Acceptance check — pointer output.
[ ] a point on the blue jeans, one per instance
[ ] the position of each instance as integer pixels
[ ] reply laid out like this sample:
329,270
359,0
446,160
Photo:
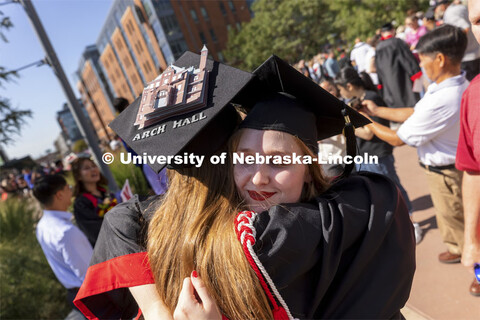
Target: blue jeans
386,166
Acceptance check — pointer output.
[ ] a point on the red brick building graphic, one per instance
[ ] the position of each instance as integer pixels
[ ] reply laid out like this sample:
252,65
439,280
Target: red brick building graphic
175,91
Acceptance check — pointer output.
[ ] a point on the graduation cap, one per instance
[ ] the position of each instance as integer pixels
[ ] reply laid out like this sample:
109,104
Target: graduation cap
186,109
316,115
283,99
387,27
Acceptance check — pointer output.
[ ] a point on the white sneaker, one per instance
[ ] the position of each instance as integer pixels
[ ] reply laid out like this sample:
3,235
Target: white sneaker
418,233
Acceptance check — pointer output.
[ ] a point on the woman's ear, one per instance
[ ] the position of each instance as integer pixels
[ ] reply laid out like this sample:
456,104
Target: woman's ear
349,87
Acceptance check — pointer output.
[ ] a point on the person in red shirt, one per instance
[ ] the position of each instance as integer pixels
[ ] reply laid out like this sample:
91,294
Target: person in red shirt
468,160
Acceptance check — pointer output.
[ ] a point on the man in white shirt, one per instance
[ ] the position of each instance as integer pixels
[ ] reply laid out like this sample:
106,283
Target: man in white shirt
358,56
457,15
66,248
433,127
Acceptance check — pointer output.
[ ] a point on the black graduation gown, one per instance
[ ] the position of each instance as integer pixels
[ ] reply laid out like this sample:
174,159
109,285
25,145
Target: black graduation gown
397,68
119,261
86,212
348,254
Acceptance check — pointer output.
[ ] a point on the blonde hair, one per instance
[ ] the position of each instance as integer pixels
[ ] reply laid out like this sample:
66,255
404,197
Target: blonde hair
193,229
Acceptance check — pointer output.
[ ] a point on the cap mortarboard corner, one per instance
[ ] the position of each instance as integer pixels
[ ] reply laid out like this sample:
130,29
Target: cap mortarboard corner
200,129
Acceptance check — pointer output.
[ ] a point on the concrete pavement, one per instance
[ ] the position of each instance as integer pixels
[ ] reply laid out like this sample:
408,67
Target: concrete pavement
440,291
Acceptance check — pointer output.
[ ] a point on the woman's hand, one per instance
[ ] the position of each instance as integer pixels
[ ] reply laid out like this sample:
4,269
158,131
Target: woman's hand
194,301
150,303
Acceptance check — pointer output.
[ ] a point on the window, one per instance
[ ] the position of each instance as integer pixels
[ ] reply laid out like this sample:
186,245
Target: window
202,38
129,27
239,26
170,25
222,8
147,8
204,13
221,57
194,15
214,37
229,27
119,45
232,7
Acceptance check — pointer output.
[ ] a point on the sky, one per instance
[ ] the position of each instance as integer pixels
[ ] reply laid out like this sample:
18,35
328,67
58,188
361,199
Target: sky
71,25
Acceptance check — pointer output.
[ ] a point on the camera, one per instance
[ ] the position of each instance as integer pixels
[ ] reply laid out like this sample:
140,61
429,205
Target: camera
355,103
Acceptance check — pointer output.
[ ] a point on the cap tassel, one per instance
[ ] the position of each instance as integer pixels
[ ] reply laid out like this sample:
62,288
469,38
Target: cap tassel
351,142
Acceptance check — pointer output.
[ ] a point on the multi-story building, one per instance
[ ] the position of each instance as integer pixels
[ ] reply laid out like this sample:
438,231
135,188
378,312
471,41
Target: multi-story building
95,93
141,38
70,130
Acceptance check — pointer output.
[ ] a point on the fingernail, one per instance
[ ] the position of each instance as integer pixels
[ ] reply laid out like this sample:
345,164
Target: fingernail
194,274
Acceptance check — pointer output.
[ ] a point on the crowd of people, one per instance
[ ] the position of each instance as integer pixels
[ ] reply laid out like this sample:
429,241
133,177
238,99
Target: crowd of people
20,182
307,242
421,69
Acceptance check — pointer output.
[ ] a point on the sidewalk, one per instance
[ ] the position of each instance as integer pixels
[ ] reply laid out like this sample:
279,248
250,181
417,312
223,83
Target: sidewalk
440,291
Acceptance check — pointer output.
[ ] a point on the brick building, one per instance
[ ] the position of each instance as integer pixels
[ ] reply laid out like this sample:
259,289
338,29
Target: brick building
141,38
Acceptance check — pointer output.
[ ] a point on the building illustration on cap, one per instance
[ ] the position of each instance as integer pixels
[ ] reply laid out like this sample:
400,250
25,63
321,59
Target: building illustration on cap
176,91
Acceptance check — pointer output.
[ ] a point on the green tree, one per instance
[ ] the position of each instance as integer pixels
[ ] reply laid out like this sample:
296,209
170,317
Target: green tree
296,29
361,18
79,146
11,119
289,29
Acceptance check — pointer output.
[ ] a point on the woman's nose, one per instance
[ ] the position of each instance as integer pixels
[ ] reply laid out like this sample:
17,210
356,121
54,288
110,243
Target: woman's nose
261,175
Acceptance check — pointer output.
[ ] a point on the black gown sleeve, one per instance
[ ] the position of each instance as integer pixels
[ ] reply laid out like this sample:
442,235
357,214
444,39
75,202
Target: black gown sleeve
87,218
351,254
119,261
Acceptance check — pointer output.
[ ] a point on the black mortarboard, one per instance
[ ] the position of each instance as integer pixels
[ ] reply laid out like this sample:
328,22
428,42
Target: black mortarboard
201,131
306,97
387,27
303,108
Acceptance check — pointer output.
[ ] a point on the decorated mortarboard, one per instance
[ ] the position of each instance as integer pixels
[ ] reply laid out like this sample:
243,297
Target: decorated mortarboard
186,109
283,99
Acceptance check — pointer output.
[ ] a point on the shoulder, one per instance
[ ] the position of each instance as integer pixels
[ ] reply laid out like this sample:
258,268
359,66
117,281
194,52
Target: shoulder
471,101
375,97
128,211
84,199
455,10
473,90
124,229
55,230
351,199
450,97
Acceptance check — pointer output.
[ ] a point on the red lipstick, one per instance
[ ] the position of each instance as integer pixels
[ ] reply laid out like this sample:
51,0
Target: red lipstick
260,196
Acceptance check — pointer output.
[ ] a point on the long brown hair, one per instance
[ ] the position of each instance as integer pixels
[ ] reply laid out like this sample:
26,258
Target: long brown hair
79,188
193,229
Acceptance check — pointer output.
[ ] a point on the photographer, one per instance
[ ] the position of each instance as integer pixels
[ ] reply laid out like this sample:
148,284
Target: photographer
356,88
